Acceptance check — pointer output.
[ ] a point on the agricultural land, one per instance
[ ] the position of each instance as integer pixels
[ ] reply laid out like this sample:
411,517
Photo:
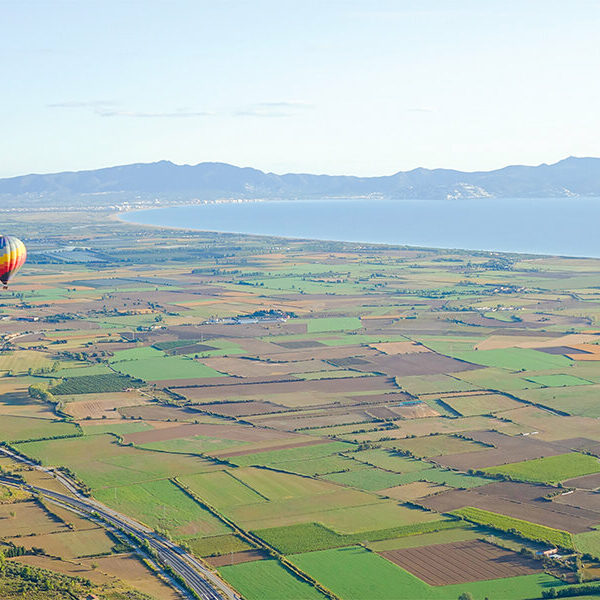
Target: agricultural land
307,419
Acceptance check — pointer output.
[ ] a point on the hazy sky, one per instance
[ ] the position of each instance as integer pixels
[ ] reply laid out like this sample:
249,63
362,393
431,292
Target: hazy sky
359,87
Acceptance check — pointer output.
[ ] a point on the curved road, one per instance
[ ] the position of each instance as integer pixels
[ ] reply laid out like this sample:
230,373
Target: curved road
197,577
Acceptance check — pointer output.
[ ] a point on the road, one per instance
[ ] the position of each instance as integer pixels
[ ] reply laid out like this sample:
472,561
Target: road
197,577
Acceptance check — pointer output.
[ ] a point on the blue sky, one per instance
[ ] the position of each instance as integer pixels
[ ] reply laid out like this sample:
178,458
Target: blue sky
344,87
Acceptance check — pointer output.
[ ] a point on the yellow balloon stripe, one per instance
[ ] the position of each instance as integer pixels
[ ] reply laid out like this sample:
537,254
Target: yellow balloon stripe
13,254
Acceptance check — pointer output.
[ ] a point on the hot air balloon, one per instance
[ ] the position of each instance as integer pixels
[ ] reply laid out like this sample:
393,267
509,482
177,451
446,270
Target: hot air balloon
12,256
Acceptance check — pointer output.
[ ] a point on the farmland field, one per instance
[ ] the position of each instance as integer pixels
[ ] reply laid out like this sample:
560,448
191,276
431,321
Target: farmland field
99,461
551,469
161,504
86,384
268,580
377,415
163,368
343,571
524,528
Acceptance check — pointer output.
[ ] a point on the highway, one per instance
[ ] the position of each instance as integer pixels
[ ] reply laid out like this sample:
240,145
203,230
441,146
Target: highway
197,577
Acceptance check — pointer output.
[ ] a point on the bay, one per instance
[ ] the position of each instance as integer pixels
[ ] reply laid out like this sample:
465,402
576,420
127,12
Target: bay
555,226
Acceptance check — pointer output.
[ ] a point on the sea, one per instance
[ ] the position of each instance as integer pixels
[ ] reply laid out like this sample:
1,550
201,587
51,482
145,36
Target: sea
551,226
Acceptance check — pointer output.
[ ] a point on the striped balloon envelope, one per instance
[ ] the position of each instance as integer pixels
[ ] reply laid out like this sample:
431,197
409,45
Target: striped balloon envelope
12,256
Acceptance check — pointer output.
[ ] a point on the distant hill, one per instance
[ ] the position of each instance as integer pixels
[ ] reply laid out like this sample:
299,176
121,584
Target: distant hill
568,177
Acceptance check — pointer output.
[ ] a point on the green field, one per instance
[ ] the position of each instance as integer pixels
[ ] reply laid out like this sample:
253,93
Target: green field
498,379
217,545
356,574
165,367
275,457
435,445
366,479
308,537
30,428
577,400
319,466
162,505
333,324
116,428
221,489
486,404
445,536
558,380
588,542
100,462
268,580
551,469
515,359
87,384
526,529
280,486
142,352
390,460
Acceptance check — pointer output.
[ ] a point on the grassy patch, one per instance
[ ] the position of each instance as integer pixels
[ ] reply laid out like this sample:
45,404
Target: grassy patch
165,367
308,537
551,469
588,543
526,529
355,574
515,359
100,462
581,400
268,580
275,457
366,479
558,380
280,486
161,504
220,489
333,324
217,545
28,428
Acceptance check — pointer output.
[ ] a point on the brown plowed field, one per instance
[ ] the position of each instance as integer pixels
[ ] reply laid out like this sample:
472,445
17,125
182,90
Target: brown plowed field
580,498
239,433
98,406
153,412
334,386
586,482
325,353
513,490
422,363
561,350
392,348
324,419
381,412
508,449
236,558
300,344
461,562
567,518
492,458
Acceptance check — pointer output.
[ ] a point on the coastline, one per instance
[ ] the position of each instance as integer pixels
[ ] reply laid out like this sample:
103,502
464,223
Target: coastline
117,216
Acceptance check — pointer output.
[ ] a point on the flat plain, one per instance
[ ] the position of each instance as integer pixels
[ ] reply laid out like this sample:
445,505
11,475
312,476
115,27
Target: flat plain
309,417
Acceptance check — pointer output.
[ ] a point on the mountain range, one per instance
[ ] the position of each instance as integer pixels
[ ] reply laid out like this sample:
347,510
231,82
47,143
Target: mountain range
209,180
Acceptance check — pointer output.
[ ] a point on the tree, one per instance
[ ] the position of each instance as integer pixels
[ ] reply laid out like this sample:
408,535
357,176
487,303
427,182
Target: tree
466,596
